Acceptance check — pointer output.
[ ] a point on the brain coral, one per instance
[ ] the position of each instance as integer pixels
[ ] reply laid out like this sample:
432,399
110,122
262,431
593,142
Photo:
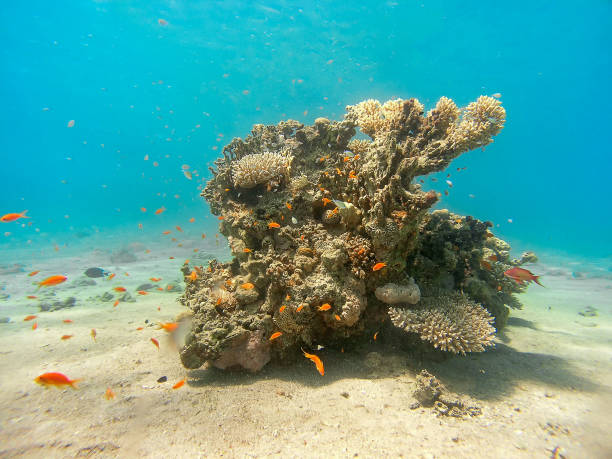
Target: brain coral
451,323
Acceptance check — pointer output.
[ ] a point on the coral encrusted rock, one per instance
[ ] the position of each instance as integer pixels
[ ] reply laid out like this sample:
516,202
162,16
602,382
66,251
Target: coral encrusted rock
324,228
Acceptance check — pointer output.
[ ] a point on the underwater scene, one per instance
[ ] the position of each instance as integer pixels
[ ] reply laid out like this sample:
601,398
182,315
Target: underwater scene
305,229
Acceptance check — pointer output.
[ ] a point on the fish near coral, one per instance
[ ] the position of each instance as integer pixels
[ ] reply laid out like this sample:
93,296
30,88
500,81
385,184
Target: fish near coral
55,379
155,342
52,280
13,216
109,394
273,225
317,361
247,286
325,307
521,275
28,318
168,326
179,384
379,266
275,335
66,337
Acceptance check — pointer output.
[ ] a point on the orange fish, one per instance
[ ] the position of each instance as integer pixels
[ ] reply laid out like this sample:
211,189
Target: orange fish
352,175
165,233
116,303
52,280
169,287
67,321
155,279
378,266
111,276
32,297
326,201
178,228
191,220
246,250
247,286
275,335
521,275
273,225
192,276
325,307
93,334
375,336
109,394
154,341
143,209
221,217
160,210
282,308
335,211
140,328
27,318
162,22
337,317
492,257
317,361
33,273
300,307
188,175
142,292
34,325
168,326
65,337
181,383
55,379
12,217
288,205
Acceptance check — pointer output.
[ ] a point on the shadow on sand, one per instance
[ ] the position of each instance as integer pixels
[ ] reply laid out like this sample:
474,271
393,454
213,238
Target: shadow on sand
492,375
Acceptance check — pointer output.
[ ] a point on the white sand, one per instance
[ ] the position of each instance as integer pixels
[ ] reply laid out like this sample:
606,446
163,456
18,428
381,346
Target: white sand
546,384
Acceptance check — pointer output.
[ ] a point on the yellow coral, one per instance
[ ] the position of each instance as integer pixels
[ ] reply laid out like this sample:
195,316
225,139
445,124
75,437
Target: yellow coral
452,323
446,110
481,120
257,168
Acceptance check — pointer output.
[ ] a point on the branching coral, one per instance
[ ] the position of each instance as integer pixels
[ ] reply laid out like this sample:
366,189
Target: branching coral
451,323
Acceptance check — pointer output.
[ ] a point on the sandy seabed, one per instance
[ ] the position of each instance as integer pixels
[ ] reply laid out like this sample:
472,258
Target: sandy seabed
545,387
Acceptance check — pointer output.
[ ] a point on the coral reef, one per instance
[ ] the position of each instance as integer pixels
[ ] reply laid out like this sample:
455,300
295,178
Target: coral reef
326,231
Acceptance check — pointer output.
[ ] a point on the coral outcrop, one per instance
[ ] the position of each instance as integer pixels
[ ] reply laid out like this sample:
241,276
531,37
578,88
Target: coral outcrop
326,231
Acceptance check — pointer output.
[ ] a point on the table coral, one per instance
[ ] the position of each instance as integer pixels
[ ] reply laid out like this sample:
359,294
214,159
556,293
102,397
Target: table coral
317,209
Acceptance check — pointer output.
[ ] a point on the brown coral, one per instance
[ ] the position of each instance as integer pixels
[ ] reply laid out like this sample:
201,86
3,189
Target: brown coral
452,323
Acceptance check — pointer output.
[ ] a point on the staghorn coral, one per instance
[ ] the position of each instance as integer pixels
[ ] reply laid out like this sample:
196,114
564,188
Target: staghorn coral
319,214
258,168
451,323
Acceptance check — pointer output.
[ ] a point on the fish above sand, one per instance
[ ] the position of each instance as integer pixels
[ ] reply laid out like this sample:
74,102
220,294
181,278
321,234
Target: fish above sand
96,272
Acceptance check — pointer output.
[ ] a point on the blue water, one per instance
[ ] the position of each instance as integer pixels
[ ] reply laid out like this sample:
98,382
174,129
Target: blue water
135,88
